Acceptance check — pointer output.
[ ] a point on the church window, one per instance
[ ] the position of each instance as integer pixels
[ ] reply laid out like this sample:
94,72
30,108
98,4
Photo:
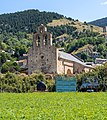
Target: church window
69,72
42,57
41,29
45,39
38,40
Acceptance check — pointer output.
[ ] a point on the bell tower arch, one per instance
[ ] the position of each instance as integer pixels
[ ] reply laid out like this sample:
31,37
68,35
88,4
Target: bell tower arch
42,37
42,55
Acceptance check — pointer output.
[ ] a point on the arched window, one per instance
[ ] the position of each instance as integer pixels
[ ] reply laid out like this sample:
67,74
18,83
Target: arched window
39,41
46,39
42,57
69,72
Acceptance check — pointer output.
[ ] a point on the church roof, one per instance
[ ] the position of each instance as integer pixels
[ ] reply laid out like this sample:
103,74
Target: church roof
70,57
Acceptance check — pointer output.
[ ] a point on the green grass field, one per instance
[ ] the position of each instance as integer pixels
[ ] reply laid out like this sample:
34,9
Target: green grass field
53,106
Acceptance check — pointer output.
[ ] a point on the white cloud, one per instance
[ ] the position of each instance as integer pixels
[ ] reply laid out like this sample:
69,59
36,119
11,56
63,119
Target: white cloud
104,3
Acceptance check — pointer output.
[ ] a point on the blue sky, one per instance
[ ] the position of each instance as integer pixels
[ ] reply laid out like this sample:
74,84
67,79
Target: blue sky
84,10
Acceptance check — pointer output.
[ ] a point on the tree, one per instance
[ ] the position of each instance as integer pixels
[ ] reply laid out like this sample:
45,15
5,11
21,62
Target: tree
10,66
84,56
4,68
99,72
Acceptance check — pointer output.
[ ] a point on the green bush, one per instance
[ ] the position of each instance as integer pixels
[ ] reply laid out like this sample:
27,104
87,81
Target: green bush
99,73
11,82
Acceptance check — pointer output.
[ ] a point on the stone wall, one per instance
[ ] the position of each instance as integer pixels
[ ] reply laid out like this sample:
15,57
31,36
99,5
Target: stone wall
43,60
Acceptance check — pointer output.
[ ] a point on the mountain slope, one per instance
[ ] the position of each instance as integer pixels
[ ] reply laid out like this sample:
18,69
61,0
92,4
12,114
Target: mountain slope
75,23
29,20
26,21
100,22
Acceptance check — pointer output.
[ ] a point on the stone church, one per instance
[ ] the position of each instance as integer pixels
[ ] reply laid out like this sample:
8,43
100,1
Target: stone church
44,57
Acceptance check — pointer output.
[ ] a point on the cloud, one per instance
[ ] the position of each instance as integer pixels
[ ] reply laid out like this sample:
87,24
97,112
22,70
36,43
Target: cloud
104,3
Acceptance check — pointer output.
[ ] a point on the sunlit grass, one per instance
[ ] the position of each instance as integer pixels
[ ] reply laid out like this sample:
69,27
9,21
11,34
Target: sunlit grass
53,106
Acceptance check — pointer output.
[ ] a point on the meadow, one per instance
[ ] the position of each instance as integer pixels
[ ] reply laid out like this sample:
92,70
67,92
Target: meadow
53,106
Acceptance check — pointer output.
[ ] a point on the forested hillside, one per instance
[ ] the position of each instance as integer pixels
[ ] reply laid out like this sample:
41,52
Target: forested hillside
100,22
26,21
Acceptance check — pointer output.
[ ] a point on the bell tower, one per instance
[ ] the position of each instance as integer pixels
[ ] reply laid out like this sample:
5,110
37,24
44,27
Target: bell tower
42,38
42,55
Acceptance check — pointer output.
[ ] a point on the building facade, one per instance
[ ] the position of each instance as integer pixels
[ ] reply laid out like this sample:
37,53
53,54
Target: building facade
44,57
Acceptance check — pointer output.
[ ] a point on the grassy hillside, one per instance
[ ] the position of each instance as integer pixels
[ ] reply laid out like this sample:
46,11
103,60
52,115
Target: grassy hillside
79,25
82,49
53,106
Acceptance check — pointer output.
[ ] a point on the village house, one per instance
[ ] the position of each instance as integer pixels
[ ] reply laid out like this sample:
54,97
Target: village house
44,57
100,61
